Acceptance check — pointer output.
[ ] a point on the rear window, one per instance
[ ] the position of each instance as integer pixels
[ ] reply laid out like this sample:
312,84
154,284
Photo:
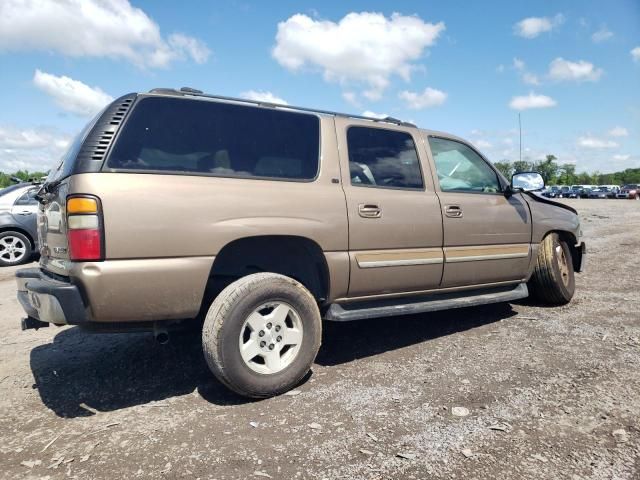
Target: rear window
220,139
383,158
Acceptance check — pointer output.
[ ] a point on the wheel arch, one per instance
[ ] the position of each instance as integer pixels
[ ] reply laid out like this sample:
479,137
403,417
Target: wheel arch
295,256
23,231
575,247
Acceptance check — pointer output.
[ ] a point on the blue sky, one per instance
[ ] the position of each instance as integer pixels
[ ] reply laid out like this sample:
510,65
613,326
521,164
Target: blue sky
572,69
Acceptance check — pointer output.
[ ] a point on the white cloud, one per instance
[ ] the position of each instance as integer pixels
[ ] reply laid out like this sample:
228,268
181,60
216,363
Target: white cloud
351,97
533,26
621,157
580,71
430,97
191,47
500,68
594,142
32,149
93,28
532,100
635,54
366,48
483,144
618,132
370,114
518,64
527,77
260,96
530,79
72,95
601,35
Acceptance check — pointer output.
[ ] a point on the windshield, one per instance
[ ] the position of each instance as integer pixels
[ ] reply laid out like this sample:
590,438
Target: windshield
67,161
631,186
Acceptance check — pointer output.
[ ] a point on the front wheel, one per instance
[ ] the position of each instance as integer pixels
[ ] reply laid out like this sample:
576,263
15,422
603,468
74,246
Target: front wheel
261,334
553,280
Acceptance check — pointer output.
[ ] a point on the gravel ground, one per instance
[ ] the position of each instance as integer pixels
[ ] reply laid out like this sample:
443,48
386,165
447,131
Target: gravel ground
545,392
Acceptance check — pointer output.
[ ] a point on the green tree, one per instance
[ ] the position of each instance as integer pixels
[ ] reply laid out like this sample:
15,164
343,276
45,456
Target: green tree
505,168
548,168
567,174
522,166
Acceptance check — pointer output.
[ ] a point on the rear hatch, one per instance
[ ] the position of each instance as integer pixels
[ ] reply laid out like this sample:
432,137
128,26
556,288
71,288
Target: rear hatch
85,155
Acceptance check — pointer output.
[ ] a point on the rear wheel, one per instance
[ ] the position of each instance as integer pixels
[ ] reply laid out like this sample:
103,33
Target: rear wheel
553,280
15,249
261,334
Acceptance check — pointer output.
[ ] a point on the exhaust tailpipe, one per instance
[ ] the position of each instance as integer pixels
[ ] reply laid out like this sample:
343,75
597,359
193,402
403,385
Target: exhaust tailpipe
161,335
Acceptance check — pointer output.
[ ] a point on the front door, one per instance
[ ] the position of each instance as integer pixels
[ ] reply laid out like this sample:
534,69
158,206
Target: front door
487,235
395,224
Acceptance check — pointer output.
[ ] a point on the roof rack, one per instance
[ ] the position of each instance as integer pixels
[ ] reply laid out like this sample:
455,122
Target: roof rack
188,91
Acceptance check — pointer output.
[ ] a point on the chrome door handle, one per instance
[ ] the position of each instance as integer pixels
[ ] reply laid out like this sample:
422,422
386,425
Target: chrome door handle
368,210
453,211
26,212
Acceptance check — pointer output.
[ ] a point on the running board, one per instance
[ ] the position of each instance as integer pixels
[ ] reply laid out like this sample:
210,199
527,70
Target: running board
426,303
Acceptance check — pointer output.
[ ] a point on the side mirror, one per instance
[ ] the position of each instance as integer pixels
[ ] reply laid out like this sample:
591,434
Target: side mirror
527,181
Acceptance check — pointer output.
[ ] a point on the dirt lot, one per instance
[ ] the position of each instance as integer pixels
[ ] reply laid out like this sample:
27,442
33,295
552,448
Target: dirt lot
550,392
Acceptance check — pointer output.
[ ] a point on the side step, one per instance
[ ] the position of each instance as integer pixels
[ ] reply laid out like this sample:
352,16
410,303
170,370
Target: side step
426,303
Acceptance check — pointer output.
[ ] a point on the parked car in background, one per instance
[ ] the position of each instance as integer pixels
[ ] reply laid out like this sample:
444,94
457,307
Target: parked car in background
564,192
601,192
630,191
612,189
576,191
552,192
18,224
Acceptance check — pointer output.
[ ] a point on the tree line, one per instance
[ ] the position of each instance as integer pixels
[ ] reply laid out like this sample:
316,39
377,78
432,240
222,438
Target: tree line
22,175
565,173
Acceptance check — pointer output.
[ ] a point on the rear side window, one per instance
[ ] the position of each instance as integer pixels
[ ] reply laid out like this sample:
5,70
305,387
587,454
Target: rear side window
211,138
383,158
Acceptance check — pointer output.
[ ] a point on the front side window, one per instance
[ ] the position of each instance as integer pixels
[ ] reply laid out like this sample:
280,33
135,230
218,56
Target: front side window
460,169
383,158
221,139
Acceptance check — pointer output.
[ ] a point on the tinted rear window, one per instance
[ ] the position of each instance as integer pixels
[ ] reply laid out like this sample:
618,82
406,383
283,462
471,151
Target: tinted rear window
383,158
211,138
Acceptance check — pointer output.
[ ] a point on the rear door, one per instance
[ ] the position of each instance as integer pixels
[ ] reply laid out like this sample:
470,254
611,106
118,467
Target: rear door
25,210
487,235
395,224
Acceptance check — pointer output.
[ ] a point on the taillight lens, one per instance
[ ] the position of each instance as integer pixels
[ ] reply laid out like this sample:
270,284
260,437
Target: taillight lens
84,222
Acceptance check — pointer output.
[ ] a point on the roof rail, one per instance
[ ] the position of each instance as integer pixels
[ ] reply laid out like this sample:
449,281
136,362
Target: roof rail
188,91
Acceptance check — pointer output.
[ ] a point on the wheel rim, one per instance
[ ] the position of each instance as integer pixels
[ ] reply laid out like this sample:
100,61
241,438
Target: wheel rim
271,337
562,265
12,249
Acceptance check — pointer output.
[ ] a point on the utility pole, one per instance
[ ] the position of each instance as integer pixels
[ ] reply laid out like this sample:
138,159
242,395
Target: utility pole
520,128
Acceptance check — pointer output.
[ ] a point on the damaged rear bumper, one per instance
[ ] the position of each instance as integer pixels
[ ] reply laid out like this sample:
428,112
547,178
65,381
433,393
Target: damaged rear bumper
48,300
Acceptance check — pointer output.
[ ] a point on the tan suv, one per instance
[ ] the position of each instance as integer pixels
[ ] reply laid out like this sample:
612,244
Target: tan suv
254,221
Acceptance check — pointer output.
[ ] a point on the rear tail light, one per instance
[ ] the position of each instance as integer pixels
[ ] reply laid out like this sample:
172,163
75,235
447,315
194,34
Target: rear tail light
85,235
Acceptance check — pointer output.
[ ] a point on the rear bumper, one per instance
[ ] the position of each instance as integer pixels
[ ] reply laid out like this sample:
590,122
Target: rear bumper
49,300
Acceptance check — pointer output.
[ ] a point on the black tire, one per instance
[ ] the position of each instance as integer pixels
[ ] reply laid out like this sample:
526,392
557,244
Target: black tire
553,279
18,238
224,323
